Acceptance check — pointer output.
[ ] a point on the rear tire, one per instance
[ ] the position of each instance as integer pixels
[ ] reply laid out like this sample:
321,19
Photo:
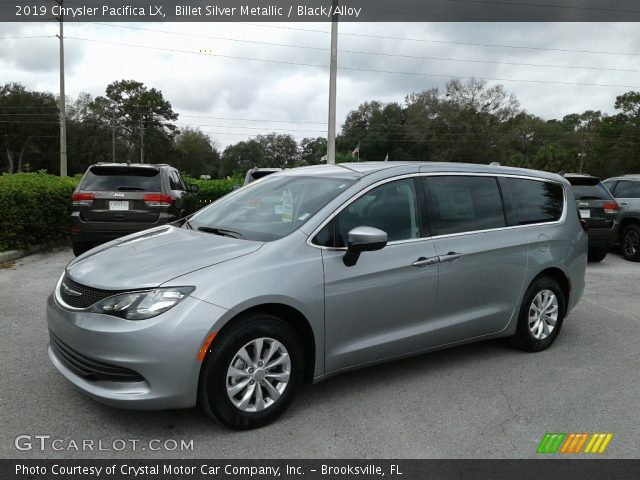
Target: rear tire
630,242
597,254
541,315
80,247
236,385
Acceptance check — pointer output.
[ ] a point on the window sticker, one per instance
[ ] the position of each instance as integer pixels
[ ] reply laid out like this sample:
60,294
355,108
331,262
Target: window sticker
287,206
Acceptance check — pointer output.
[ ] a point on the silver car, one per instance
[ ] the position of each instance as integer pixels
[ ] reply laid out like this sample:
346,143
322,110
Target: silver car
314,271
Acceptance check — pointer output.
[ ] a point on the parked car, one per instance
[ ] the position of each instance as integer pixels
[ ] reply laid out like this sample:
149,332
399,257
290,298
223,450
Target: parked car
626,190
599,209
115,199
256,173
312,272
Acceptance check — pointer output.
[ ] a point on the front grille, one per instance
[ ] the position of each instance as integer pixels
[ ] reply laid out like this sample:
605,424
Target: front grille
88,368
80,296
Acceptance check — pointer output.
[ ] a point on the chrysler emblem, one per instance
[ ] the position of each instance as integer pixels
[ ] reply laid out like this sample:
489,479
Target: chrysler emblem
70,291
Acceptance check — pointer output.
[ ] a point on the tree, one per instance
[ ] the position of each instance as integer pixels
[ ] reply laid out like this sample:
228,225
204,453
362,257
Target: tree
29,128
194,153
312,150
135,109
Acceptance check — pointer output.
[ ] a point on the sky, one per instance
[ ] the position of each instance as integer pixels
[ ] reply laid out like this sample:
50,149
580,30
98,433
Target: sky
238,80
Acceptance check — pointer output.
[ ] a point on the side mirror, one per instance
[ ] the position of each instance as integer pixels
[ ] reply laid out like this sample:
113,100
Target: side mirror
194,188
363,239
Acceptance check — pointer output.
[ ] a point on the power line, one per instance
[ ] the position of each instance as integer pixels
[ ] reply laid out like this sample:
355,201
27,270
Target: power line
394,72
446,42
378,54
20,37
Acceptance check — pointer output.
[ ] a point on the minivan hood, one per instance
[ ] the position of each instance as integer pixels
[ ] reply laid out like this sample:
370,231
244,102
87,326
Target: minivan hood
153,257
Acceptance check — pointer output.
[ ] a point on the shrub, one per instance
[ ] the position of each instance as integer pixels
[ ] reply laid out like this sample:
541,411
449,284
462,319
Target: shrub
210,190
34,209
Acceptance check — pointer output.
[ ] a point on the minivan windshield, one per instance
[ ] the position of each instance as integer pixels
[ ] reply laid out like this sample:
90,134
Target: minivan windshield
268,209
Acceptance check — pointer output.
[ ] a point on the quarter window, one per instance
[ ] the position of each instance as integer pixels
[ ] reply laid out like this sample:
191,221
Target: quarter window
391,207
463,204
627,189
536,201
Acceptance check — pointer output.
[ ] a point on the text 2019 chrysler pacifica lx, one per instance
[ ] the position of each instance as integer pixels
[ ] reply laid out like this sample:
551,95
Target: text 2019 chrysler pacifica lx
313,271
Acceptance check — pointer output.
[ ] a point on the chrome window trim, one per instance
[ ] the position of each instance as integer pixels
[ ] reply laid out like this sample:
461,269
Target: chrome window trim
339,209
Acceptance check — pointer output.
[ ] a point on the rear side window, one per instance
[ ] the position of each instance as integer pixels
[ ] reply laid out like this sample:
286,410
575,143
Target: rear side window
175,182
110,179
627,189
536,201
463,204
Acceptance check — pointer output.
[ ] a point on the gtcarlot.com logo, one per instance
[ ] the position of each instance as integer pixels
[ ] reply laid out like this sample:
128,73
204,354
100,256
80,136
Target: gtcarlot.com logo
574,443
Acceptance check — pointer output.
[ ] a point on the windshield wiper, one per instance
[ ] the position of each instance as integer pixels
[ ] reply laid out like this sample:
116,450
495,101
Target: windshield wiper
221,231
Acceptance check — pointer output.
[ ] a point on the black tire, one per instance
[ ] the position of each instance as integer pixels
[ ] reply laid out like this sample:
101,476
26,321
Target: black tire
629,241
597,254
524,338
212,392
80,247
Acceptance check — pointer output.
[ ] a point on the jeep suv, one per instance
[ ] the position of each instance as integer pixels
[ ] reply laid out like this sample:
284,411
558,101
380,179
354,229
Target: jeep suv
116,199
598,209
626,190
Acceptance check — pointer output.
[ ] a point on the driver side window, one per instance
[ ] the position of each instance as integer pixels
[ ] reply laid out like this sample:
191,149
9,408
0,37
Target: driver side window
392,207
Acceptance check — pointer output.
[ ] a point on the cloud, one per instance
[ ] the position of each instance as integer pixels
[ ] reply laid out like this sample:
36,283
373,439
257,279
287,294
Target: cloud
287,93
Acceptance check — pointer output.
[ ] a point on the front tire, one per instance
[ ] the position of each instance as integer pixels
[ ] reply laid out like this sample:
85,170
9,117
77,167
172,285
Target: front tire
541,315
252,372
630,241
597,254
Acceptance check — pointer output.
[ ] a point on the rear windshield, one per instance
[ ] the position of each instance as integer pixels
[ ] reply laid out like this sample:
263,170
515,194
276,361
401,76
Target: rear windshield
591,192
110,179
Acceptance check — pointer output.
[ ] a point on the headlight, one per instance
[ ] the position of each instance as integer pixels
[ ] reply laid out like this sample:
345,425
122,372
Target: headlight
142,305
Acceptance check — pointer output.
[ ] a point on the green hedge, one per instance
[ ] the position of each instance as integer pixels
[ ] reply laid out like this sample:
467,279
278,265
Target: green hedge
34,209
210,190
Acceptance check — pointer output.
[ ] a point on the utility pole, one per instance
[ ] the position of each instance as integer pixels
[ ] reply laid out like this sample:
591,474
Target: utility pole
141,139
63,116
333,67
113,137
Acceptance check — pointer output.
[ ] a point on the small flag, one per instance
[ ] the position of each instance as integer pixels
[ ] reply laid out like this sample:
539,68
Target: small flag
356,151
386,159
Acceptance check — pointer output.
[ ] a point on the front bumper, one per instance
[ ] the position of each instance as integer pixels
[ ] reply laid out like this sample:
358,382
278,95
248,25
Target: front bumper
163,350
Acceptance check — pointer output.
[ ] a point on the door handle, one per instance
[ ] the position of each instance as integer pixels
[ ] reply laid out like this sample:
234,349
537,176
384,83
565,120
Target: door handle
624,203
424,261
450,257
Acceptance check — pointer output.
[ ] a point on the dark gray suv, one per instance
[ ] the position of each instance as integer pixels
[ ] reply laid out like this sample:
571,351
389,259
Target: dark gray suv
598,209
626,190
116,199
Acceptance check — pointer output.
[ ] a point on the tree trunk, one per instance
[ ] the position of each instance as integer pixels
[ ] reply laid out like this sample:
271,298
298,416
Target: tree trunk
20,160
10,159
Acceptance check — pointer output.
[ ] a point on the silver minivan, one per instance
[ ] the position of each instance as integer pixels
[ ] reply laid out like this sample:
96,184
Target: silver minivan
311,272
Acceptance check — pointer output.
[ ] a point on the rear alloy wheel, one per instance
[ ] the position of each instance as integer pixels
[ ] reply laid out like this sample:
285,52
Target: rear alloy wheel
541,315
252,372
597,254
631,243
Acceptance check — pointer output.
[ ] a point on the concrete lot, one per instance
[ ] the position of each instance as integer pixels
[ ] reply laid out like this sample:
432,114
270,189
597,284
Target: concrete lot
484,400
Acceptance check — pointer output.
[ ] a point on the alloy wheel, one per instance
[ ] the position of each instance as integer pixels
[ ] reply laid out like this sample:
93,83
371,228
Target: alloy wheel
543,314
258,375
631,243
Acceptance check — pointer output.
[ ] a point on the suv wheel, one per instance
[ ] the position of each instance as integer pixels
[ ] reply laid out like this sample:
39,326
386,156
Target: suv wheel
541,315
80,247
597,254
631,243
252,372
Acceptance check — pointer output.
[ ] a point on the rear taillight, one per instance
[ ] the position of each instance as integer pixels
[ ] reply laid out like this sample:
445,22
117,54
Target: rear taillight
611,207
158,200
82,199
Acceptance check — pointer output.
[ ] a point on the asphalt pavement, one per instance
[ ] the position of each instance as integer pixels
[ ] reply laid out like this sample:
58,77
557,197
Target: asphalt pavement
484,400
